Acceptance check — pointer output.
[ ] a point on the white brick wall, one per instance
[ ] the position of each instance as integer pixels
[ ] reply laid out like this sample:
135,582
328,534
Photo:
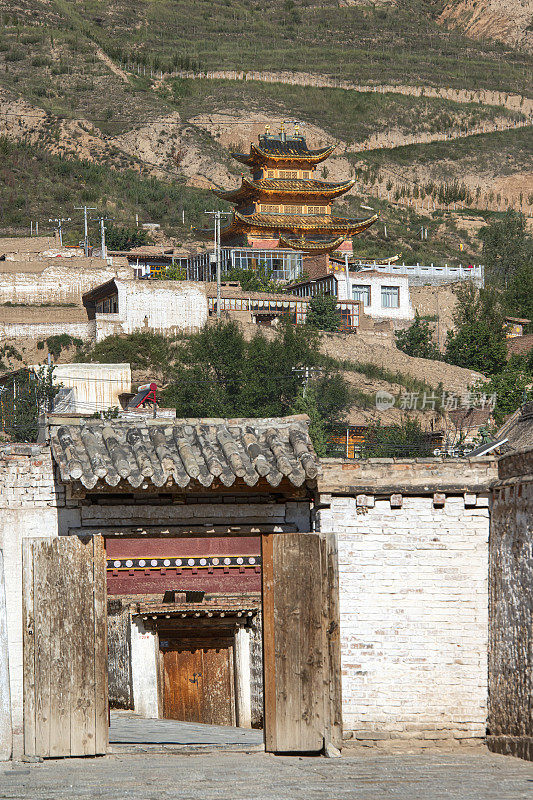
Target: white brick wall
413,600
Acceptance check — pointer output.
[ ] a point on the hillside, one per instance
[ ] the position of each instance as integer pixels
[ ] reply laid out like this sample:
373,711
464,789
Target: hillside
508,21
101,83
356,39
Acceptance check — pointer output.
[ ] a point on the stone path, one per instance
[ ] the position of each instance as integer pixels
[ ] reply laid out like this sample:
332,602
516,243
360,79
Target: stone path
128,728
261,776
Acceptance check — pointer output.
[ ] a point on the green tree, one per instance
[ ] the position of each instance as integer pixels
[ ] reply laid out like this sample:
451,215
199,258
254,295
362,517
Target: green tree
518,295
33,392
404,440
478,341
122,238
417,340
307,403
505,246
146,351
218,373
259,279
323,313
512,387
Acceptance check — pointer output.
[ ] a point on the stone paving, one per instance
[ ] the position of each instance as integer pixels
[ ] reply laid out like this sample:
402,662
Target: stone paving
129,728
261,776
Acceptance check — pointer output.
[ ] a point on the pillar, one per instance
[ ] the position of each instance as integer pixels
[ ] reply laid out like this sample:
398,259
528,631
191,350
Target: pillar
243,696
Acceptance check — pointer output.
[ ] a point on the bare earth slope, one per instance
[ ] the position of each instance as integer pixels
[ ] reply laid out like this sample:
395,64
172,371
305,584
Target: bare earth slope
508,21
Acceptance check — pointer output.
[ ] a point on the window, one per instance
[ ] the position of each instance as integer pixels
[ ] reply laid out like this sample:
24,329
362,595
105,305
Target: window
293,209
271,209
271,173
305,175
390,296
283,173
361,294
316,209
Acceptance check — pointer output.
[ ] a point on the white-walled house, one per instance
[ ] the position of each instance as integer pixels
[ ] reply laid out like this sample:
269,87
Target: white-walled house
382,296
126,306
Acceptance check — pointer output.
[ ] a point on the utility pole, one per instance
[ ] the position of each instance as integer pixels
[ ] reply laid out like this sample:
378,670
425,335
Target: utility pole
217,215
59,222
103,229
85,209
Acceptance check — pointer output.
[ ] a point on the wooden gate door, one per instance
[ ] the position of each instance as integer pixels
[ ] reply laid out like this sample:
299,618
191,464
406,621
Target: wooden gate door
301,649
65,646
198,682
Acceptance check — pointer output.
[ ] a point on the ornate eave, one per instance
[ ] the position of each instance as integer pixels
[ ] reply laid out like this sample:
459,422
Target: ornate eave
310,245
285,151
316,223
250,189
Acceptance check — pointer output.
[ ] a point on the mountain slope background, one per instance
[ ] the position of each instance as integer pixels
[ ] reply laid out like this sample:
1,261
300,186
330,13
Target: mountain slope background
117,84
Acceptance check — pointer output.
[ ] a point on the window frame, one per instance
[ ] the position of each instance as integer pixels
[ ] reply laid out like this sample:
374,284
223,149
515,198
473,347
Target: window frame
390,292
362,287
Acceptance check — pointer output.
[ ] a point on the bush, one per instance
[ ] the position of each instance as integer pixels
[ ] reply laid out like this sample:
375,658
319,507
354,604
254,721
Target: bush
405,440
418,341
512,388
323,313
122,238
56,344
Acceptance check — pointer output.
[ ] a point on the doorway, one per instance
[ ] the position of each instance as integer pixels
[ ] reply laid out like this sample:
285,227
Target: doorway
198,681
64,586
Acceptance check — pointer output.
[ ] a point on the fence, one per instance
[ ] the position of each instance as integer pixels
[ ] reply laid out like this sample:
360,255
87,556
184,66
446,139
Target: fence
420,273
297,309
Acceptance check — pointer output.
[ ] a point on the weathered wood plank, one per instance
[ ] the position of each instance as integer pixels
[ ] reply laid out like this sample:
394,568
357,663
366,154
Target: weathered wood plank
119,655
333,716
100,646
28,647
269,642
6,731
287,612
312,651
60,576
42,559
82,720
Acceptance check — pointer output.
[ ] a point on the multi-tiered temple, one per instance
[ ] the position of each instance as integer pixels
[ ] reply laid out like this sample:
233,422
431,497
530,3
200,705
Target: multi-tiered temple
282,203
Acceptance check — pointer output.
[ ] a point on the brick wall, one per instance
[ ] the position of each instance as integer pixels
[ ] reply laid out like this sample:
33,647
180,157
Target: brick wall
511,608
31,505
413,596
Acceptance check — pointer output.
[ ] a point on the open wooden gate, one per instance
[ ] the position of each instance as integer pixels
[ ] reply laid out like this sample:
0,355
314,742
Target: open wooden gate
302,680
65,647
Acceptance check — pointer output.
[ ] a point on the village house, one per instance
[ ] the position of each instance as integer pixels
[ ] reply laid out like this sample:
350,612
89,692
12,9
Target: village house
125,306
382,297
212,539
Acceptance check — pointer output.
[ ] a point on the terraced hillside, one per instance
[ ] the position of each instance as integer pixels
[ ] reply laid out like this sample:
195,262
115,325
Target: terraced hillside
358,39
97,82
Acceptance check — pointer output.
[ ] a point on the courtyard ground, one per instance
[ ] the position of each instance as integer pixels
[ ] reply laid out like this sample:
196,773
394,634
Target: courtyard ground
259,776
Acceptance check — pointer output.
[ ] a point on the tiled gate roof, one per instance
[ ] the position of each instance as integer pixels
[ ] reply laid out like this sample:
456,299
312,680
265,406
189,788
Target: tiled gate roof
181,451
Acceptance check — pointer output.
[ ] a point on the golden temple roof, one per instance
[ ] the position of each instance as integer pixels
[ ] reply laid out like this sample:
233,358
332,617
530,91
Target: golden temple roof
297,222
251,188
283,148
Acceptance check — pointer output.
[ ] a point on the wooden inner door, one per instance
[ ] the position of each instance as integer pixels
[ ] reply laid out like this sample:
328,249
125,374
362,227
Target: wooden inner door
198,681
